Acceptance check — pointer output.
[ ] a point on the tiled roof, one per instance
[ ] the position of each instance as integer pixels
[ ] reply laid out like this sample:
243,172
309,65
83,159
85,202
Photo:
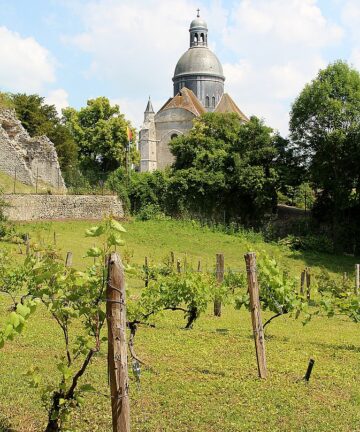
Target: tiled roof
187,100
227,105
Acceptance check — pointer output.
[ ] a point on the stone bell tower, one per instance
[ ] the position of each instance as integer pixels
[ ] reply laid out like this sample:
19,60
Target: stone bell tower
147,140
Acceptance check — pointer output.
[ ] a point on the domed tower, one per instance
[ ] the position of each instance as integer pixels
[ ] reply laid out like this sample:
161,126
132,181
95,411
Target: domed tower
199,69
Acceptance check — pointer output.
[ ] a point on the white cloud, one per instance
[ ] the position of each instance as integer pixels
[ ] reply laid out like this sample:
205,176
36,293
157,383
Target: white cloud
355,58
286,22
272,48
59,98
135,43
26,66
351,18
280,44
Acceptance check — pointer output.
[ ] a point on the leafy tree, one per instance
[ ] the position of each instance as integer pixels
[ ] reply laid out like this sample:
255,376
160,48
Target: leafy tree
5,101
39,118
325,126
290,167
100,132
222,164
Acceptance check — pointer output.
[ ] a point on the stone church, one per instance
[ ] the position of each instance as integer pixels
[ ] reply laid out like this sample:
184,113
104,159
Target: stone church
198,88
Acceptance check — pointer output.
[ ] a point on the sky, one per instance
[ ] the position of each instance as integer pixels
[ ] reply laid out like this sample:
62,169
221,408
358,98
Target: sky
70,51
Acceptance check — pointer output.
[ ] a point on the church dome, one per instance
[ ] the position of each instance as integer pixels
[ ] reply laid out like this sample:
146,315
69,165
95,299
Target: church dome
198,23
198,61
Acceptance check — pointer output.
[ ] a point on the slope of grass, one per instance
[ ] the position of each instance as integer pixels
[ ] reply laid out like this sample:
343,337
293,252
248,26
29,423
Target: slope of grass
7,185
205,379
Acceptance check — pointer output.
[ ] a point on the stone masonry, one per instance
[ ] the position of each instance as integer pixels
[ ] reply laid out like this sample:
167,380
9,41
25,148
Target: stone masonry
25,156
28,207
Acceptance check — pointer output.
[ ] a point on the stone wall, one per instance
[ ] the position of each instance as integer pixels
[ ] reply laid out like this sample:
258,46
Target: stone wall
28,207
28,157
170,122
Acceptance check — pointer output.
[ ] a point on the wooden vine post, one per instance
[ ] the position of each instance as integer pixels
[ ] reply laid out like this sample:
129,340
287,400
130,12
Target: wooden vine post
220,279
146,269
308,283
357,278
117,347
69,259
302,282
250,259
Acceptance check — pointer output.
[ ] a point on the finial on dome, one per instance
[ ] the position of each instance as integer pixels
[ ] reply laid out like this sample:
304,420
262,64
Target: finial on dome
198,13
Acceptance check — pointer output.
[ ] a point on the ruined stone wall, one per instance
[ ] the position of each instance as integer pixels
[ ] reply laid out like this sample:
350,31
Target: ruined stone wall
30,157
28,207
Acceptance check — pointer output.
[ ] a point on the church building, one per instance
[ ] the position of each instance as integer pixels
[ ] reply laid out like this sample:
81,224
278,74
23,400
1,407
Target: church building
198,88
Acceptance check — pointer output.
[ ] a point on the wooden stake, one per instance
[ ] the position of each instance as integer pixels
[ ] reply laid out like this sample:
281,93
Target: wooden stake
250,259
55,238
69,258
178,266
302,282
27,243
172,259
357,278
199,266
15,181
219,278
308,283
146,269
117,348
309,370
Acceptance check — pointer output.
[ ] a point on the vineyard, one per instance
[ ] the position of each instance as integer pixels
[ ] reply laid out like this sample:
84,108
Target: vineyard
189,370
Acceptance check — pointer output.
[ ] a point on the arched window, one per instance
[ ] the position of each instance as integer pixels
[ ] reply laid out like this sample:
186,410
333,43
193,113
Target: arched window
196,39
207,102
213,101
202,38
174,135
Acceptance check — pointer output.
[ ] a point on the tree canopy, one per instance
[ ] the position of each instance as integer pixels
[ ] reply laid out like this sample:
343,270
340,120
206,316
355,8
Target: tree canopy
325,126
39,118
224,165
100,131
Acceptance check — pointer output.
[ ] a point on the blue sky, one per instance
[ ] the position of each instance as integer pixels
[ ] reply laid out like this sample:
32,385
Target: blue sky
71,51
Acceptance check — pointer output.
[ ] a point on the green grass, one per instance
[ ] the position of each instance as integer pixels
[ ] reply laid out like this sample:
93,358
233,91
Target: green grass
7,186
203,380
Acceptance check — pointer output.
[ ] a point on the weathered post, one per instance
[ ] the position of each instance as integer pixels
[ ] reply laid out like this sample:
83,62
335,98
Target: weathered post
15,181
309,370
172,259
146,270
219,279
357,278
27,244
178,266
117,348
55,238
308,283
250,259
199,266
302,282
69,259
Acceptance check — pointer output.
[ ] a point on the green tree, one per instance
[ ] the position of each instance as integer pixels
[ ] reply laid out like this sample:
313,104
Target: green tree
224,165
38,118
325,126
5,101
100,132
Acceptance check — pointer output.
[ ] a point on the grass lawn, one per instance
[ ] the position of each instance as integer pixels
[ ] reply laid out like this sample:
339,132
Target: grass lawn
205,379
